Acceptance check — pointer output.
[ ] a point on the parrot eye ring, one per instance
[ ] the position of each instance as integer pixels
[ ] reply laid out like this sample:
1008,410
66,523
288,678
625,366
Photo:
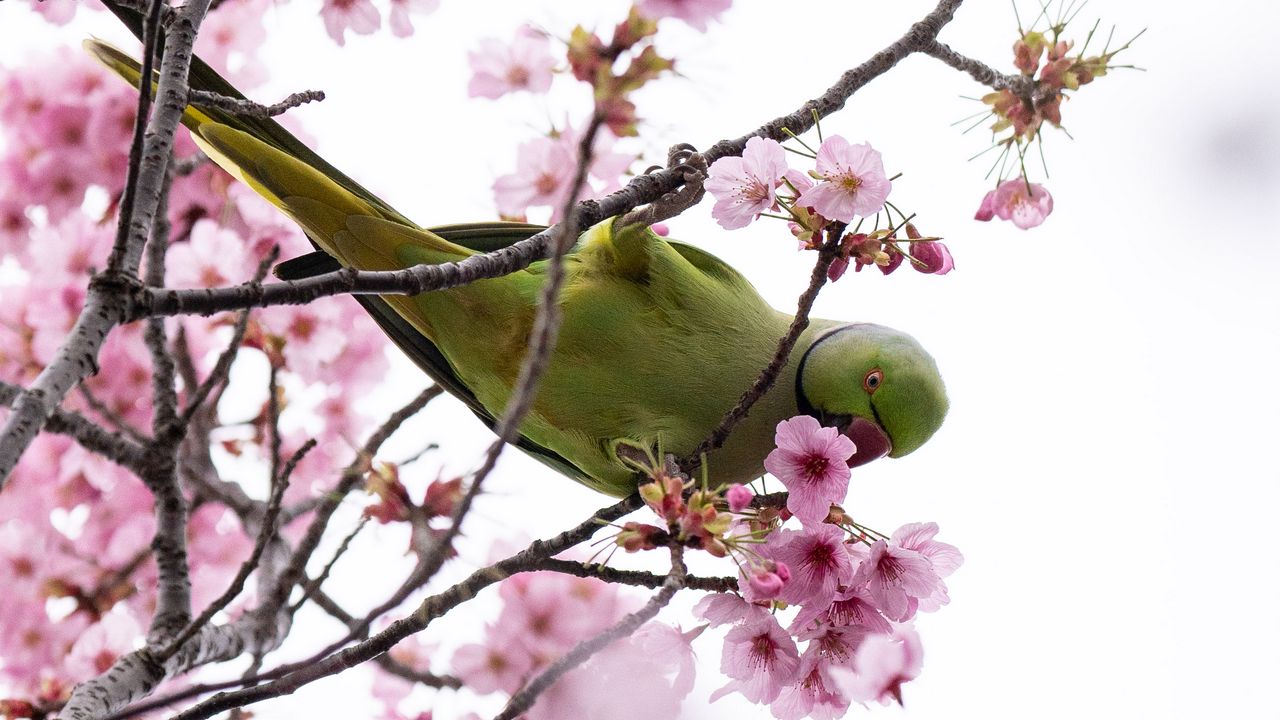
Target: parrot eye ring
872,380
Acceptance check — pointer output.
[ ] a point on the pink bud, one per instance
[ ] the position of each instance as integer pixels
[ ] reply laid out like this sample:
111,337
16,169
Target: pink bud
934,258
766,584
659,229
781,570
739,497
987,209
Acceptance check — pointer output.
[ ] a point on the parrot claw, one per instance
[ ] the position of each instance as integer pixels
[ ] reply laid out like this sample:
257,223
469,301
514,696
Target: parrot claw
685,159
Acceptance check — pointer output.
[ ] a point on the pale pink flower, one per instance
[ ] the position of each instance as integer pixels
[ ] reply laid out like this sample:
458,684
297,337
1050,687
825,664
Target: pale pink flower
818,559
726,608
761,658
401,25
669,647
490,668
98,647
739,497
944,558
695,13
896,579
853,181
880,667
812,462
544,173
1027,204
744,186
499,68
358,16
212,257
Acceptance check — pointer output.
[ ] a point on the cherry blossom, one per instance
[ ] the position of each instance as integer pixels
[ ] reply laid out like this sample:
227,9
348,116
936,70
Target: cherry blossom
523,64
811,461
897,578
544,173
760,657
398,18
931,257
695,13
744,186
358,16
809,695
881,666
739,497
818,559
853,181
1025,203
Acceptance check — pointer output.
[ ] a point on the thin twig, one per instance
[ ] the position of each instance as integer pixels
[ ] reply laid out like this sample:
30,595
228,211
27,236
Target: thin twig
525,697
250,108
633,577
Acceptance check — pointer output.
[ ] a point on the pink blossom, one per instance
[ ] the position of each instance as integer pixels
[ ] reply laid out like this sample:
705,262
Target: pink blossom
818,559
490,668
853,181
739,497
1026,203
695,13
671,647
809,696
761,658
811,461
944,558
744,186
212,257
851,608
932,257
726,608
98,647
359,16
880,667
897,578
401,25
499,68
764,581
544,173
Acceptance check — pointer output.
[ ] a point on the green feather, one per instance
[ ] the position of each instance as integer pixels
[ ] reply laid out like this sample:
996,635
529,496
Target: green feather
658,338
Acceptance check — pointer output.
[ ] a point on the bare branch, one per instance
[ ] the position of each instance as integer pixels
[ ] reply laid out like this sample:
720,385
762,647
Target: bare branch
633,577
250,108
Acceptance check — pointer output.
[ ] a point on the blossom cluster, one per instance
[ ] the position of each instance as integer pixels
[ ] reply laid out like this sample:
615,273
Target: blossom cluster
546,165
857,591
847,185
75,528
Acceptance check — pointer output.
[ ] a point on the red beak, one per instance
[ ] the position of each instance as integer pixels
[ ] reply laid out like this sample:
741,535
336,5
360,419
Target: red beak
871,440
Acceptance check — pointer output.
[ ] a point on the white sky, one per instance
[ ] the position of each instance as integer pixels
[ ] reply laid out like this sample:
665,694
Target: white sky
1107,466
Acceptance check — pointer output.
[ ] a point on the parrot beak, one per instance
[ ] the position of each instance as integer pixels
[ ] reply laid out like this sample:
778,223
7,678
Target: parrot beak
871,440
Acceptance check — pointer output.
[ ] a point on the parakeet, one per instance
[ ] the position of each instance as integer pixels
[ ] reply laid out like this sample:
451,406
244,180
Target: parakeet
658,338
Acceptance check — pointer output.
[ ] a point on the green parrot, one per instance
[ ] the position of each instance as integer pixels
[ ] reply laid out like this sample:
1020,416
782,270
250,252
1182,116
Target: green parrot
658,338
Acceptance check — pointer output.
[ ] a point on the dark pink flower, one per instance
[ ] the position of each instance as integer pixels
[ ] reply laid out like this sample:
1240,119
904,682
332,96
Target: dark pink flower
810,696
744,186
932,257
739,497
812,462
818,559
760,657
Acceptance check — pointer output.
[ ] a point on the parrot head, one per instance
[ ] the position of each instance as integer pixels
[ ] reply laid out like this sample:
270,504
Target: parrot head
877,385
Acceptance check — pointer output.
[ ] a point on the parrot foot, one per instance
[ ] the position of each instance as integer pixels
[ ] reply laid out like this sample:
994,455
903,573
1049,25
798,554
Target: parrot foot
685,159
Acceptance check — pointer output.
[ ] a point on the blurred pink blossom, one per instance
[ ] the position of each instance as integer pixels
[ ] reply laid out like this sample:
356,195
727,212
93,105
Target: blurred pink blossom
1026,203
695,13
499,68
358,16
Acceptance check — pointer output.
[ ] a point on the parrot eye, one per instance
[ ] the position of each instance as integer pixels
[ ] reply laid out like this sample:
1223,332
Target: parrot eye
872,380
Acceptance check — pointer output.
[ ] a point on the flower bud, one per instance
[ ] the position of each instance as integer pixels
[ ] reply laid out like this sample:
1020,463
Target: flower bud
739,497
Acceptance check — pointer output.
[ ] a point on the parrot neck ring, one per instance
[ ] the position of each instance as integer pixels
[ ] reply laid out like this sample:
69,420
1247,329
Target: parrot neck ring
871,441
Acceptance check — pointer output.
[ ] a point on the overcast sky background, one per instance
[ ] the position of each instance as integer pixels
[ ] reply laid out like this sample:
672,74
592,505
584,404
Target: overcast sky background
1108,466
